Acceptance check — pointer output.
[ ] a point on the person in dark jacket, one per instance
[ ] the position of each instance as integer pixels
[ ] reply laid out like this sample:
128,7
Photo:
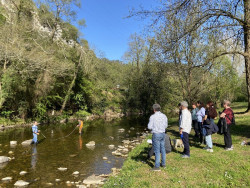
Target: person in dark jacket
207,126
168,147
228,116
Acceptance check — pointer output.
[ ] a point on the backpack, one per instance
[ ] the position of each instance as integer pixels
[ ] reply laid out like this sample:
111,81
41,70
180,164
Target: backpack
232,120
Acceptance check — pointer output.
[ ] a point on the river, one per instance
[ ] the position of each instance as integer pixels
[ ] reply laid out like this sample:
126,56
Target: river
42,161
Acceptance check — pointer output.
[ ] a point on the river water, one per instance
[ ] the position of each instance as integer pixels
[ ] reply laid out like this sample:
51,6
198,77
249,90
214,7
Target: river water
42,161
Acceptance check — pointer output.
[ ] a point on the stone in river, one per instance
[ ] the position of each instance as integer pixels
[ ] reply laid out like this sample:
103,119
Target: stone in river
111,146
121,130
105,158
57,180
4,159
21,183
91,145
23,173
126,141
26,142
49,184
62,169
76,173
93,180
13,143
11,152
7,179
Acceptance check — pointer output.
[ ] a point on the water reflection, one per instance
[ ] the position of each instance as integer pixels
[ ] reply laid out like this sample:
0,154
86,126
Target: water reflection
80,142
33,157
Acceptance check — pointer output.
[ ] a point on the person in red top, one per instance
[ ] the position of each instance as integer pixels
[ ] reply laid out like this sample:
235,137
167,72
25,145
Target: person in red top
228,115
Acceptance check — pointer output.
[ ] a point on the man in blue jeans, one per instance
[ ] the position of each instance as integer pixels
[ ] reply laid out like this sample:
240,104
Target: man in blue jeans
158,122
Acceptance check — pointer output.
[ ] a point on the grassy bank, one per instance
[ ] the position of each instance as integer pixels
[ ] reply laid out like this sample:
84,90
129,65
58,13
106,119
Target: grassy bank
218,169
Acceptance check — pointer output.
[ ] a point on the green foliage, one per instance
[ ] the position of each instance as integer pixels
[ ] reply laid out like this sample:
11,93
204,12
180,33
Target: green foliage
2,19
82,114
70,32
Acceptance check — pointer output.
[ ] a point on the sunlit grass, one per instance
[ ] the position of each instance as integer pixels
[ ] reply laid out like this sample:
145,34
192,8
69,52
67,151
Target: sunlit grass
218,169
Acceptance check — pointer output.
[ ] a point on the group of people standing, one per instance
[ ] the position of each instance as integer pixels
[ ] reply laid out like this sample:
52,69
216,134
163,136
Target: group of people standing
202,117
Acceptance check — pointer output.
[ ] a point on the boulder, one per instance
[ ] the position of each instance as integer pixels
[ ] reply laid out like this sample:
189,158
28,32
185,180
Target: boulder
62,169
26,142
21,183
93,180
4,159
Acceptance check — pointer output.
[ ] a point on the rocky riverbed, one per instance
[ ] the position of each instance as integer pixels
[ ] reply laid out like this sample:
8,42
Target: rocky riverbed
78,161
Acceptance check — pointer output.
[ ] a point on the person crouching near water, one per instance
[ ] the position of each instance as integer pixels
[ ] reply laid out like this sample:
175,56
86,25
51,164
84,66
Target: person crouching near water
185,128
158,122
80,125
35,133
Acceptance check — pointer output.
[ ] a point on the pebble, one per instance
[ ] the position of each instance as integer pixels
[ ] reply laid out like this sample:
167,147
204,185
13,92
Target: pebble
7,179
111,146
76,173
23,173
49,184
62,169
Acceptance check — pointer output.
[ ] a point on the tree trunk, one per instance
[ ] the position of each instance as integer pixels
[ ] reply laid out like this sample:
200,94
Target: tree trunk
246,28
71,85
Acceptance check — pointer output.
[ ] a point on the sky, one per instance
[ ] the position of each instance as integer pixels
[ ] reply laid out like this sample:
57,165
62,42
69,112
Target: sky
107,29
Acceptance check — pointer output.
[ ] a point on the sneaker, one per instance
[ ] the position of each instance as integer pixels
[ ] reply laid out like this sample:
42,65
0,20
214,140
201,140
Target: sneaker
163,166
210,150
185,156
155,169
206,148
229,149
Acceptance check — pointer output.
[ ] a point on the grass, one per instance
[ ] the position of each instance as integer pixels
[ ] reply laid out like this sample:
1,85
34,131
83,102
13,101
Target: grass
218,169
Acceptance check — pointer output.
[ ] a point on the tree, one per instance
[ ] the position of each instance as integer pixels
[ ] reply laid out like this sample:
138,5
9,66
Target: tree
225,20
61,10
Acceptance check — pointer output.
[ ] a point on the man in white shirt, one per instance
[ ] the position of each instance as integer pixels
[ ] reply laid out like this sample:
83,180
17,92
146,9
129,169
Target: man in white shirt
185,128
158,122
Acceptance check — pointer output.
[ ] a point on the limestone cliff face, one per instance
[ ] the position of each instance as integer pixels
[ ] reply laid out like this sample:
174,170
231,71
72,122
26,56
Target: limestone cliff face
10,7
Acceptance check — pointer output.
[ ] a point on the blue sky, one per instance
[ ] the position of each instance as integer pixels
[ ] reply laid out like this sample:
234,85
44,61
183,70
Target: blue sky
107,30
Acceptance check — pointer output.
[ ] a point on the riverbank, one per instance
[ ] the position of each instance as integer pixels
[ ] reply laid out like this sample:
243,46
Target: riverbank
108,115
203,169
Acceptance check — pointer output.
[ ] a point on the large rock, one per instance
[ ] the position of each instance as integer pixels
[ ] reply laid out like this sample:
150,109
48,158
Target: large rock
21,183
26,142
93,180
4,159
